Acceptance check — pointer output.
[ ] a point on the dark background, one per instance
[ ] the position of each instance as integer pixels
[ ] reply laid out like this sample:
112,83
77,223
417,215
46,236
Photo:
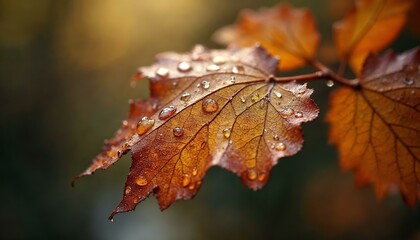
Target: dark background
65,68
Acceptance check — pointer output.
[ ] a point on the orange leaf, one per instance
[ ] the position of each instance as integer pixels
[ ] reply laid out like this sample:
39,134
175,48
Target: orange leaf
368,28
377,127
218,107
289,33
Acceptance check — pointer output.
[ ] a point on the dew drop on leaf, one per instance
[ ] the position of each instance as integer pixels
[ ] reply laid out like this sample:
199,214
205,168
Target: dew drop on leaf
191,187
242,99
167,112
408,81
298,115
162,72
280,146
252,174
185,97
238,69
212,68
262,177
219,60
226,132
141,181
178,131
278,94
144,125
194,171
210,106
127,190
287,112
205,84
330,83
184,67
276,137
186,180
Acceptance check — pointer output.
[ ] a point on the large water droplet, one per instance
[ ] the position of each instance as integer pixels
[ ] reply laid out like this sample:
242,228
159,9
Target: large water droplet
280,146
205,84
141,181
287,112
226,132
186,180
184,67
144,125
178,131
185,97
162,72
212,68
219,60
167,112
210,105
238,69
408,81
252,174
298,115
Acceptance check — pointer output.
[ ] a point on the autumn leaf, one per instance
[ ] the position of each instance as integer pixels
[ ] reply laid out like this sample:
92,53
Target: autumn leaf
377,127
368,28
288,33
208,108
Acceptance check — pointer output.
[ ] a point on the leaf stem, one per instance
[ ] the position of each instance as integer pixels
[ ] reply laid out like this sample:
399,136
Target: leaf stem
323,73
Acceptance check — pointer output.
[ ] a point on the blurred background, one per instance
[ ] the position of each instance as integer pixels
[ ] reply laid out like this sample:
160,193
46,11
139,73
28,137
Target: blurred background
65,69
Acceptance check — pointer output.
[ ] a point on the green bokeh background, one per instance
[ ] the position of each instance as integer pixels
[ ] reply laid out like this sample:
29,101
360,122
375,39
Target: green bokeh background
65,68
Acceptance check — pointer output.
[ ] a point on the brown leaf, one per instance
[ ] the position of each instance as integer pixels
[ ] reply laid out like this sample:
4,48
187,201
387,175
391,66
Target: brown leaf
283,31
368,28
215,107
377,127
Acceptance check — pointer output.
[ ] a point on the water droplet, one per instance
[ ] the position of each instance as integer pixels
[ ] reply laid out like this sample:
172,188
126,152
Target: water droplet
226,132
238,69
191,187
205,84
298,115
219,60
262,177
178,131
112,219
210,105
212,68
255,97
252,174
125,123
280,146
185,97
278,94
184,67
261,104
242,99
276,137
194,171
144,125
287,112
186,180
250,163
232,79
198,184
167,112
141,181
127,190
408,81
155,106
162,72
330,83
